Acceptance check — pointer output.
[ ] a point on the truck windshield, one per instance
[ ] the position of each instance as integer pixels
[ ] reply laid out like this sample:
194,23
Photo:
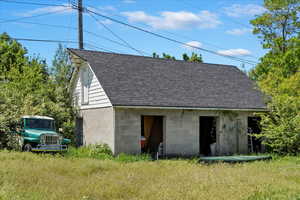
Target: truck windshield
40,124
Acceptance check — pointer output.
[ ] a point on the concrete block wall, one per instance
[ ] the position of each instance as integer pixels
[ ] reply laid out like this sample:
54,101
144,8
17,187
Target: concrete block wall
98,126
181,131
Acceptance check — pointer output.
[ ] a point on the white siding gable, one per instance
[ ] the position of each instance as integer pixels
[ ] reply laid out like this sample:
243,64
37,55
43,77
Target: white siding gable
88,92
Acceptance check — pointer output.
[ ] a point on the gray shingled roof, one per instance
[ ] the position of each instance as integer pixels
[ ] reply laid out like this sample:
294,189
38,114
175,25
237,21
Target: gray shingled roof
144,81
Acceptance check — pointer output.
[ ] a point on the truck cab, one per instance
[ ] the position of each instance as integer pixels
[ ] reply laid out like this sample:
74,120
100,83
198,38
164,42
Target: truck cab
39,134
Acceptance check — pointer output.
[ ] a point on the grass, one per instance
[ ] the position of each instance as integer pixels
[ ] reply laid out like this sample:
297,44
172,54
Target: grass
39,177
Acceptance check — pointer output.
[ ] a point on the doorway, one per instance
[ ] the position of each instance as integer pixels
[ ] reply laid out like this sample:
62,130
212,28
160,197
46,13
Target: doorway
208,135
79,131
254,144
152,134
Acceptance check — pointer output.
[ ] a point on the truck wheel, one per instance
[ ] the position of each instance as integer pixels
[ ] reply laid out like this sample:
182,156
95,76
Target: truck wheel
27,148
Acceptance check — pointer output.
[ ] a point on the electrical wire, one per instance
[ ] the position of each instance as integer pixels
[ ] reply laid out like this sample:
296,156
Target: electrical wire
33,3
171,39
33,16
128,25
114,34
75,28
59,41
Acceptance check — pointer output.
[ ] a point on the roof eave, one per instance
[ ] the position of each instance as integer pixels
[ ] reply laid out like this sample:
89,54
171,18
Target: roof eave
193,108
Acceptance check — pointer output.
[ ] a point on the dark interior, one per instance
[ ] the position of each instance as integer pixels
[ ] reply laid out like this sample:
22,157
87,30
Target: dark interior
79,132
152,131
254,128
207,134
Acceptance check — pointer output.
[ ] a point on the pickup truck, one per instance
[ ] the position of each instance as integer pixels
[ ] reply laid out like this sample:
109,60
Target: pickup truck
38,133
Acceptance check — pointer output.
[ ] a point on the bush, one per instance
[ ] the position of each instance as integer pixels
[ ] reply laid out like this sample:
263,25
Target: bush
97,151
103,152
132,158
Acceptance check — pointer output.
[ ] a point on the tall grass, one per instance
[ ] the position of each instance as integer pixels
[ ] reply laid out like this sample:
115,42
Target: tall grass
41,177
102,152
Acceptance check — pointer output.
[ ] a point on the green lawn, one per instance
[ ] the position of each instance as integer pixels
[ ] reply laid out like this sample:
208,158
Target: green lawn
35,176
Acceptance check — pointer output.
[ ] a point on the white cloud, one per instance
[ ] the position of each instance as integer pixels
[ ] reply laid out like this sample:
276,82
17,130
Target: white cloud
65,8
192,43
175,20
235,52
239,10
128,1
238,31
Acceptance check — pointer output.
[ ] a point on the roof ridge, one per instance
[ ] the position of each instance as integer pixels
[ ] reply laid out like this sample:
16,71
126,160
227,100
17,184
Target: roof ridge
148,57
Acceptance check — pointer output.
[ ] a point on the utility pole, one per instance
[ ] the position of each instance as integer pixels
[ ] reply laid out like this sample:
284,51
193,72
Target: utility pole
80,24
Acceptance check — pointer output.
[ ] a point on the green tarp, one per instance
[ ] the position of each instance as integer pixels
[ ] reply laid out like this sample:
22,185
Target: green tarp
233,159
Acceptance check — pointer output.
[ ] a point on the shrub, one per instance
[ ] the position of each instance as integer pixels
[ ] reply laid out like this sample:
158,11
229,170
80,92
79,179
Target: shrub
132,158
97,151
103,152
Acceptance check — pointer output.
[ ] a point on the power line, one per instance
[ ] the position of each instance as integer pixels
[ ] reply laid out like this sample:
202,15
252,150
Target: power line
131,26
34,16
58,41
33,3
114,34
171,39
75,28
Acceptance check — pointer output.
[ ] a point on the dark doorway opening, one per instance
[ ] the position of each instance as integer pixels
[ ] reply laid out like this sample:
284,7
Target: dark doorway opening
208,135
254,144
79,132
152,134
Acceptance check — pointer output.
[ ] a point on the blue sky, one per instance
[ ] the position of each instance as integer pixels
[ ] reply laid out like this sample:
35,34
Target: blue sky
218,25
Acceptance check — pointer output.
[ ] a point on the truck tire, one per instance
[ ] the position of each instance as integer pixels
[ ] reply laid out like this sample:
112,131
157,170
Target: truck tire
27,147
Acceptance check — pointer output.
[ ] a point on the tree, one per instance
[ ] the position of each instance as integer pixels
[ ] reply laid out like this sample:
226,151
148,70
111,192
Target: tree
277,74
278,28
12,56
62,73
194,57
29,90
61,67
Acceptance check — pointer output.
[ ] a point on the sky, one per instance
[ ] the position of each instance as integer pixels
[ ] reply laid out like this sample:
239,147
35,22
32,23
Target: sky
221,26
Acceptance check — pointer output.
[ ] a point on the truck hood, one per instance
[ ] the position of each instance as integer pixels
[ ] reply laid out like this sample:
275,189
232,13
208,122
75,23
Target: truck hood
37,133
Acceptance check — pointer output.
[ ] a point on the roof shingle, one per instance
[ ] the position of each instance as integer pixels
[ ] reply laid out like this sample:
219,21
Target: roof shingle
144,81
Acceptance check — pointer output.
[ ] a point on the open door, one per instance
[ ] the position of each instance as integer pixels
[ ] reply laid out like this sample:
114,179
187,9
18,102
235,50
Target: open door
151,134
208,135
254,144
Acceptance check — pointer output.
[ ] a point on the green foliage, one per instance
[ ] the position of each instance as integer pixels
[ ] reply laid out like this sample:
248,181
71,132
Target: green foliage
12,56
193,58
278,75
278,24
281,126
168,56
61,75
98,151
102,152
28,89
132,158
60,177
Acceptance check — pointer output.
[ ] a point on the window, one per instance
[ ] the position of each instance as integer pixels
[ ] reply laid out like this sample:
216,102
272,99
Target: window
85,86
40,124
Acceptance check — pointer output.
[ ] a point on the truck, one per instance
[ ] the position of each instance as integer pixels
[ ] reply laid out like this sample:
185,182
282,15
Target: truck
39,134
